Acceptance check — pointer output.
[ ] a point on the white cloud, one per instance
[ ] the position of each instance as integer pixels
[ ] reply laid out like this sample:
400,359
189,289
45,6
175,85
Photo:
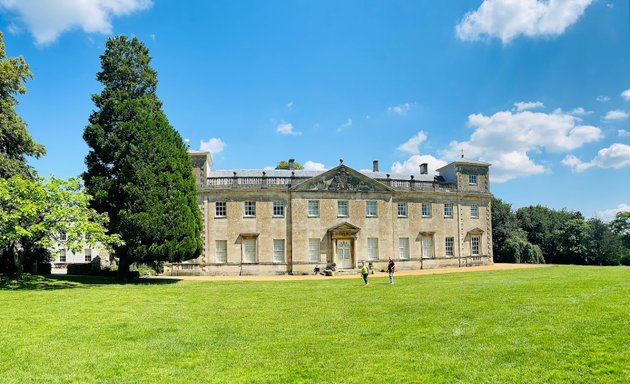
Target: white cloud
615,156
522,106
313,166
610,5
507,19
345,125
290,104
609,214
412,145
411,166
623,133
602,99
286,129
401,109
506,139
47,19
616,115
214,145
626,94
579,111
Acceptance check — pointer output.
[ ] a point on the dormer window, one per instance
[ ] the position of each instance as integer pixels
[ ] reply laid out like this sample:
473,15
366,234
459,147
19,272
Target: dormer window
472,179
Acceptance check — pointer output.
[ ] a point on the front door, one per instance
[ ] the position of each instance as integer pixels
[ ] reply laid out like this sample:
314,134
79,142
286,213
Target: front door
344,253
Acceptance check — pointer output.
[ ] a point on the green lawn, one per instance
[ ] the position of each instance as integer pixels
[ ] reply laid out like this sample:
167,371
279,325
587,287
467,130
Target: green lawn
556,324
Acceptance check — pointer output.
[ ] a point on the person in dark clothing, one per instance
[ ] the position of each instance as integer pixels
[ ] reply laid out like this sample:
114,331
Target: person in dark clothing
391,268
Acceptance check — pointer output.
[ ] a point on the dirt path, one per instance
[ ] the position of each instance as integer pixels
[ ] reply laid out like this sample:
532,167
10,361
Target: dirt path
494,267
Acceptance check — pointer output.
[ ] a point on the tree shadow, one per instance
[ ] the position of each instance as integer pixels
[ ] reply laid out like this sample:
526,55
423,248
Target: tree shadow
56,282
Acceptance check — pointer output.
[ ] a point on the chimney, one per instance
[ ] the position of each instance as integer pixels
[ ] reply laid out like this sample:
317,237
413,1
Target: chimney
375,166
424,169
291,163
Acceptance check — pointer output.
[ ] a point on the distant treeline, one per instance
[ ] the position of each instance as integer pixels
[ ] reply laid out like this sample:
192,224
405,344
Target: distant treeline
538,234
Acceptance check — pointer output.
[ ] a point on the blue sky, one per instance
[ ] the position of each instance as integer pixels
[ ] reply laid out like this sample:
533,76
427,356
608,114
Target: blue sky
540,89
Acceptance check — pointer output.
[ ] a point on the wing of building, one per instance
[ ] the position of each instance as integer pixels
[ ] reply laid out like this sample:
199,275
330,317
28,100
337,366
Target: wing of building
290,221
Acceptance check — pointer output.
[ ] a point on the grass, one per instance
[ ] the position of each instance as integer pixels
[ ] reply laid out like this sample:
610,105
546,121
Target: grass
547,325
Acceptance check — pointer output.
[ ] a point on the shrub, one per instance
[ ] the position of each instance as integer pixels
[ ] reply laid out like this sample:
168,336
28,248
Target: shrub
625,260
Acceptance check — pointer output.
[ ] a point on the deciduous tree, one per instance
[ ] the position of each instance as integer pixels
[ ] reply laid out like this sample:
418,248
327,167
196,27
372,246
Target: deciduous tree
33,213
15,141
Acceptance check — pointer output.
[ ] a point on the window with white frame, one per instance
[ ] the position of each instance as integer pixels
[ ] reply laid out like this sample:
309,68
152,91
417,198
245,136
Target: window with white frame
372,248
250,209
448,246
278,209
313,250
474,245
63,237
313,208
221,251
426,209
220,209
278,250
370,209
62,255
342,208
448,209
249,250
403,248
474,211
472,179
88,254
402,209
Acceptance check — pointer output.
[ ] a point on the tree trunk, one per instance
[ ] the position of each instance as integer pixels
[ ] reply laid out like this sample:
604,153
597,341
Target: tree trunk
16,258
123,269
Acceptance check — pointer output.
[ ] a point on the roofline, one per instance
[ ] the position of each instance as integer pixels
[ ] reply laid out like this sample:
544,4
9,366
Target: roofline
478,163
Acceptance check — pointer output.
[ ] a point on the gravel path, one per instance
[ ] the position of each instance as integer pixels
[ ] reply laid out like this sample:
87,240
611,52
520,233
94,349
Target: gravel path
493,267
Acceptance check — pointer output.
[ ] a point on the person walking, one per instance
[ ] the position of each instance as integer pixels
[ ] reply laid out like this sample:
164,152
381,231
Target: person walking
391,268
365,272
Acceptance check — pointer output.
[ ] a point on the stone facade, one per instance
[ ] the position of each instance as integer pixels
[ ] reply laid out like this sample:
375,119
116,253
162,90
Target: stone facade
289,221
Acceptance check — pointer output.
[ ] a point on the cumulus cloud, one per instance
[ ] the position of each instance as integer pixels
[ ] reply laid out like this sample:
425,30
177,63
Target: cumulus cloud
345,125
626,94
522,106
616,115
579,111
286,129
623,133
313,166
507,138
411,166
615,156
412,146
610,214
602,99
47,19
214,145
401,109
507,19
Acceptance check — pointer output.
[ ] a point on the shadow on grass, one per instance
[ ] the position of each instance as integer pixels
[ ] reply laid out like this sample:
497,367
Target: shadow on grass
55,282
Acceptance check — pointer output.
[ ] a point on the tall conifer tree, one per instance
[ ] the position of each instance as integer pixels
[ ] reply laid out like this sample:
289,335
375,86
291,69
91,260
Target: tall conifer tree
138,168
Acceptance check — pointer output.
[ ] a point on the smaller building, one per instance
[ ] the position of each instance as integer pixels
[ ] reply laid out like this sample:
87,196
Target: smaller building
63,256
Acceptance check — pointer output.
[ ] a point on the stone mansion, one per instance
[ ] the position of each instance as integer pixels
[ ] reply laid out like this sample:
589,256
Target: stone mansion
289,221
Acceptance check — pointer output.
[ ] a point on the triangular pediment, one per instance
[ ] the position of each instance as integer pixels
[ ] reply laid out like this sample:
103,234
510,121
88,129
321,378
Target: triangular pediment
345,226
342,179
476,231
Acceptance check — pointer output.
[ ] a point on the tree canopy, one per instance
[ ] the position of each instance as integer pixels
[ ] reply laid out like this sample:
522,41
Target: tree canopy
283,164
15,141
537,234
33,214
138,167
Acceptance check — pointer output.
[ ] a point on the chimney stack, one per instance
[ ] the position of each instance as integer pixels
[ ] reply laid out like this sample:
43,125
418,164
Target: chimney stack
291,163
424,169
375,166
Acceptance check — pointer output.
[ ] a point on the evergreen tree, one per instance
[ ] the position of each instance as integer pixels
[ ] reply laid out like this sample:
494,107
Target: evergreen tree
138,168
15,141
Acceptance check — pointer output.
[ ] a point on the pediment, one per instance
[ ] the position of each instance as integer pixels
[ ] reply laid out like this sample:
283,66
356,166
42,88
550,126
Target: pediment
476,231
342,178
345,226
